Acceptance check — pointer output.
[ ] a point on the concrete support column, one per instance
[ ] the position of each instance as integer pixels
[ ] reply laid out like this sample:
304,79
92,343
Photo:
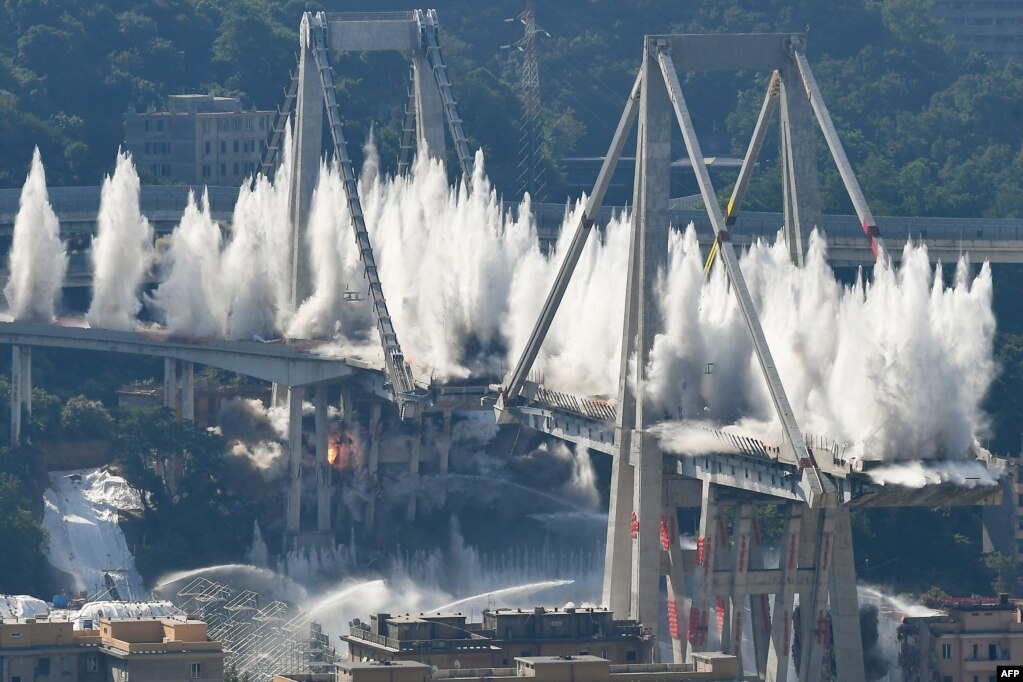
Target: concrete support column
676,584
17,393
373,463
413,467
845,608
323,467
731,636
782,625
305,165
26,379
706,560
650,249
813,611
188,391
429,109
617,586
799,164
444,444
294,517
170,383
760,607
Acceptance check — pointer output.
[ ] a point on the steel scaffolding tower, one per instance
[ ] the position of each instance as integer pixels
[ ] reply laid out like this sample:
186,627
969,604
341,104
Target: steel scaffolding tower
531,140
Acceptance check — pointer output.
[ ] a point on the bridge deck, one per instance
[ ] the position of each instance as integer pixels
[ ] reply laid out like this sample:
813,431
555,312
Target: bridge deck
292,363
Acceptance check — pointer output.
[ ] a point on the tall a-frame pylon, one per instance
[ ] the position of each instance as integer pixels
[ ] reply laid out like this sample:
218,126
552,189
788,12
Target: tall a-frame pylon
727,570
431,106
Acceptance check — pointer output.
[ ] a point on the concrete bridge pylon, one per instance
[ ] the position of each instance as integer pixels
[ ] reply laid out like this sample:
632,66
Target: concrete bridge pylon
727,569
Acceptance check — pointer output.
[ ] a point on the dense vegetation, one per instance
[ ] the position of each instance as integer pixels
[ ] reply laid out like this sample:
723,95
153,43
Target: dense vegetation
928,127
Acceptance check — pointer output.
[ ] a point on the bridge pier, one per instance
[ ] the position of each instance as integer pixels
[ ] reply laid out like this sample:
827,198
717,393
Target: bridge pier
324,470
413,465
444,444
21,389
372,464
179,388
293,524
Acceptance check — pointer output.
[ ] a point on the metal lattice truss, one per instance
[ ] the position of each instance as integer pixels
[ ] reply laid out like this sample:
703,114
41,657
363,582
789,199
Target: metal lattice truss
431,108
260,638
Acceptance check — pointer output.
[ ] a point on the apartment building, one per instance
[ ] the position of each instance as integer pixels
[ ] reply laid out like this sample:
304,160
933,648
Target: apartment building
146,650
991,27
448,640
965,644
198,140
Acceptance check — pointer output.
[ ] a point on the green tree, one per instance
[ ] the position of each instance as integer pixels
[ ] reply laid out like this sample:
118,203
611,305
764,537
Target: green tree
23,565
83,418
1006,572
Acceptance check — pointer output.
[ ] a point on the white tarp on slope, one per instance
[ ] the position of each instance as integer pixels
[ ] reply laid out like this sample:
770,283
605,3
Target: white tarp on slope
21,606
85,541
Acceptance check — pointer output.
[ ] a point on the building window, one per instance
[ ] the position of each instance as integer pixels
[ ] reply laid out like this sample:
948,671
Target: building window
976,651
43,666
992,652
1020,546
124,675
205,170
946,651
236,169
262,123
91,664
223,146
148,148
248,123
166,169
223,169
65,665
236,146
145,126
196,671
206,126
630,656
206,148
159,126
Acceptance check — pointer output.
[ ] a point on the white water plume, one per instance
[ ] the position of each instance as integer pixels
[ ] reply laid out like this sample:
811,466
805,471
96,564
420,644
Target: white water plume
255,267
919,474
895,368
38,258
582,486
121,251
337,273
190,299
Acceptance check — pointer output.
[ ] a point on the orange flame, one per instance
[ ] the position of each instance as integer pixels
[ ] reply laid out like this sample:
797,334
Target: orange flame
344,449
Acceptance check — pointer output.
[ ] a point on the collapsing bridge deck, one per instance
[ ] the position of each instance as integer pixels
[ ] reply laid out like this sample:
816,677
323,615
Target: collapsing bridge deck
747,466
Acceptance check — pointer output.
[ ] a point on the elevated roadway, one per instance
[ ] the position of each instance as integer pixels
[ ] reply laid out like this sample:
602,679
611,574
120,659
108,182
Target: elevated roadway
995,240
293,363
